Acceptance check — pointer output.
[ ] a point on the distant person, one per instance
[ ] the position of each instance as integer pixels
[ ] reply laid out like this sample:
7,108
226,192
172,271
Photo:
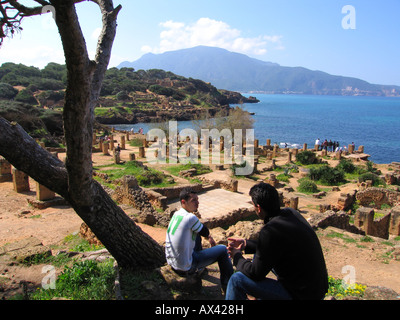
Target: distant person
330,145
182,249
287,245
325,145
318,143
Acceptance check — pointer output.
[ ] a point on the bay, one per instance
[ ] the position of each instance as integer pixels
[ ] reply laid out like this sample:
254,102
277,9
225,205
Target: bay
373,122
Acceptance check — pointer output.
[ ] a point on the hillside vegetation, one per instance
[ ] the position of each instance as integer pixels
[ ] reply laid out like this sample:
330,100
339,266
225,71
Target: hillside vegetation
34,97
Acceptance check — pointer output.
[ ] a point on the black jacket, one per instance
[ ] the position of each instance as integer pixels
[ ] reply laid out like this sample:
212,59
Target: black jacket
288,245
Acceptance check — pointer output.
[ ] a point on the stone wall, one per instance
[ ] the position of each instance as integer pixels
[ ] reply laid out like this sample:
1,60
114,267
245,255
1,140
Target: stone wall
375,197
382,227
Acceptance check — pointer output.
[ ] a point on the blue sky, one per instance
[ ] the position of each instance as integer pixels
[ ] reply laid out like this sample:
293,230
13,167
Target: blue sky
314,34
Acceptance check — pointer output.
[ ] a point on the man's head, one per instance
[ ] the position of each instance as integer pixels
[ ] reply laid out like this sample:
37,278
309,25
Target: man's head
266,200
189,200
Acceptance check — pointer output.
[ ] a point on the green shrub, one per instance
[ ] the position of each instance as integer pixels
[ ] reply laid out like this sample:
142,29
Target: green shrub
307,186
7,91
376,181
25,96
346,166
326,175
338,289
306,157
85,280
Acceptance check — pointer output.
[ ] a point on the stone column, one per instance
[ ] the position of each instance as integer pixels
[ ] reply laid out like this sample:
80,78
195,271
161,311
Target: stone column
394,225
123,142
20,180
294,203
132,156
105,148
268,142
289,160
111,143
127,136
256,143
364,219
305,147
141,152
351,148
5,170
94,139
43,193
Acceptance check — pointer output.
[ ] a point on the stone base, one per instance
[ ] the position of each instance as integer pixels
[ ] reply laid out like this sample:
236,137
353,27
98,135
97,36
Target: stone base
189,283
57,201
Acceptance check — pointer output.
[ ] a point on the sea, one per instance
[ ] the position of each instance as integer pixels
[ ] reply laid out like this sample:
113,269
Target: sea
373,122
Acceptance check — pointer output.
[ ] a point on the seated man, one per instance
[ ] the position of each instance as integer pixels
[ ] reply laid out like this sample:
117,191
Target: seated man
287,245
182,252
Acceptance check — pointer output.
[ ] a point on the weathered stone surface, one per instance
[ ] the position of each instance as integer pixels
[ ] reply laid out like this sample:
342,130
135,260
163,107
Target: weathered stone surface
189,283
380,293
25,250
377,196
330,218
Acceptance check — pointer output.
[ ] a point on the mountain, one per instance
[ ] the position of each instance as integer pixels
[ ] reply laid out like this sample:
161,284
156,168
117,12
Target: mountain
238,72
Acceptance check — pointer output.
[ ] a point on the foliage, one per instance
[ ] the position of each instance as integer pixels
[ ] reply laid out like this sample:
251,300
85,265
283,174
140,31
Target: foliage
146,177
307,186
327,175
7,91
85,280
26,96
346,165
376,181
306,157
339,289
200,168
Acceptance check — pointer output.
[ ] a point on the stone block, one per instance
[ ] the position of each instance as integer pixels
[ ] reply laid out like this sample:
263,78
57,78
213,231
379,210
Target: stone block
187,283
43,193
394,224
20,181
5,170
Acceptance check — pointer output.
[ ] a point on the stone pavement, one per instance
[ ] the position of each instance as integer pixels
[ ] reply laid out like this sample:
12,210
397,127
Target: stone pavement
218,202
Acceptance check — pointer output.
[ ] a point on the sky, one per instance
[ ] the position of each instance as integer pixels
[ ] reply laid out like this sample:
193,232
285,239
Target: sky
355,38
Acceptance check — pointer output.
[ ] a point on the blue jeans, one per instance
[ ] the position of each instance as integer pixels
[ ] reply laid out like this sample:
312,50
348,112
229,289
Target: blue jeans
267,289
219,253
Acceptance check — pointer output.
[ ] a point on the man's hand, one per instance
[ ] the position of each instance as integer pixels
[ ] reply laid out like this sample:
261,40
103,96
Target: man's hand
236,245
212,241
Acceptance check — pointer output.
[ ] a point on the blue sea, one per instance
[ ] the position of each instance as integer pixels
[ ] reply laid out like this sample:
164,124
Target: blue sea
373,122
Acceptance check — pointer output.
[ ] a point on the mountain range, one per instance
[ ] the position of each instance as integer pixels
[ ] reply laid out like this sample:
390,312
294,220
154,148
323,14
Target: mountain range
238,72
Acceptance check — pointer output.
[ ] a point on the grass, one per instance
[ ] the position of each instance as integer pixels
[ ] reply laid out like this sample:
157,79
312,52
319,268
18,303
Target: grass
200,169
146,177
85,280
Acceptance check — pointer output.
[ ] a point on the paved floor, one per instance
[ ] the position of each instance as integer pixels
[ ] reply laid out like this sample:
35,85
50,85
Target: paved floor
219,202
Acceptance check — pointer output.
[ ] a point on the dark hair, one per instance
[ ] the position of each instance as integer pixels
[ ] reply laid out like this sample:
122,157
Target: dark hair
267,197
185,193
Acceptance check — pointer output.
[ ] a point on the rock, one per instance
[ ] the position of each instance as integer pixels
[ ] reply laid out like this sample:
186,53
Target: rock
25,250
245,229
380,293
330,218
147,218
189,283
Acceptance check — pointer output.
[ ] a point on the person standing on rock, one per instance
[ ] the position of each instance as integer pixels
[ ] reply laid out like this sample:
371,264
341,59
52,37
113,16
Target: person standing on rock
182,247
287,245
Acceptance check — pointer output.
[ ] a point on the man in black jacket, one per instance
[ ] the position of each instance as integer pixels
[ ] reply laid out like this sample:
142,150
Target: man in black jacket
287,245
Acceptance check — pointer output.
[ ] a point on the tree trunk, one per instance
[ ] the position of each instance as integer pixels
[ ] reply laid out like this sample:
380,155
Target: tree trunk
120,235
128,244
